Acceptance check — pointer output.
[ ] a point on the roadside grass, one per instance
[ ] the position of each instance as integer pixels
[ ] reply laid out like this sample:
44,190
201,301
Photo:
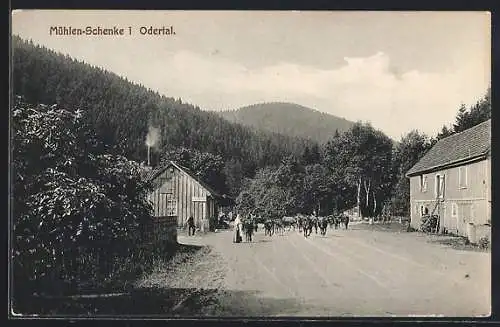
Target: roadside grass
163,270
456,242
118,296
392,226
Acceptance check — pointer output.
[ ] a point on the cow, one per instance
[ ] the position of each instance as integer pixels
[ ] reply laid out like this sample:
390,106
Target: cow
278,226
323,225
300,223
289,222
337,220
346,220
268,227
307,226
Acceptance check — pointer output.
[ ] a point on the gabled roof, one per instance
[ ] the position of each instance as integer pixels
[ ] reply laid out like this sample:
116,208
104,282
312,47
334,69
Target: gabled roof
157,171
473,143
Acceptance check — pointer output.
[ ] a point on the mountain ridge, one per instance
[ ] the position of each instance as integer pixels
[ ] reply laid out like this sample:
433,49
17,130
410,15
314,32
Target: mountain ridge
290,119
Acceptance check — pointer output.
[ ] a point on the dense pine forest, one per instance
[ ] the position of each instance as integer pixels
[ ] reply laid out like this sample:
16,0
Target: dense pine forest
121,113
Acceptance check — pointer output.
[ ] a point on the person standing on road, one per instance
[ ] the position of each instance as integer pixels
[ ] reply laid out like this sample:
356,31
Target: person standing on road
191,225
237,229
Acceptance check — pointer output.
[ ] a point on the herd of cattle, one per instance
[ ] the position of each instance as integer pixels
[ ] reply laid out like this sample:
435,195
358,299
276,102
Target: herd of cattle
304,224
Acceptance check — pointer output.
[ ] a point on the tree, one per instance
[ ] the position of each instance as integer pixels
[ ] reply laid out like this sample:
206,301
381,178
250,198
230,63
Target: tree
306,156
476,114
275,190
362,156
468,117
234,175
316,190
462,119
315,154
311,155
445,132
408,151
245,203
68,195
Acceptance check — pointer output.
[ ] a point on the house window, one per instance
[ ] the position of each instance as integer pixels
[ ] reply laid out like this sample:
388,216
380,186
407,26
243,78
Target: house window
439,186
423,183
454,210
171,205
462,177
424,210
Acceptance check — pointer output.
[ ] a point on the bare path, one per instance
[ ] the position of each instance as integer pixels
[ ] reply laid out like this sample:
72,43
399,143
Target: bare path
348,272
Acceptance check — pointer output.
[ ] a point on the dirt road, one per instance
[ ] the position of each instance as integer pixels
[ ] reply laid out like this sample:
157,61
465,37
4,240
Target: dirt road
355,272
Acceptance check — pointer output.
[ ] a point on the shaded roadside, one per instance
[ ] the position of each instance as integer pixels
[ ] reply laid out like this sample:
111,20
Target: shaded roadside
190,284
145,295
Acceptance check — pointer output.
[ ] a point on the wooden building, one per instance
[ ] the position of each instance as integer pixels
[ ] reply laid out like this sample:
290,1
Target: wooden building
178,194
453,181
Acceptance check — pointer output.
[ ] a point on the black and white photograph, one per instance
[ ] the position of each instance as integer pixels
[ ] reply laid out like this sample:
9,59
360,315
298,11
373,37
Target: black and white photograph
180,164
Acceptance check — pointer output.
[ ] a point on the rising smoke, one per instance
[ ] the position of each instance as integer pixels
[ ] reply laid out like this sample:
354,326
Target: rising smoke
153,136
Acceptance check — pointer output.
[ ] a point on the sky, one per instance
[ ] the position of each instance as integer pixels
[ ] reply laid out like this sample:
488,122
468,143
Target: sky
398,70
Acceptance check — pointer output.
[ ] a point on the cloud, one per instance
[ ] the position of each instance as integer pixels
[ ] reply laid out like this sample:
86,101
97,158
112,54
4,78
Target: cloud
365,89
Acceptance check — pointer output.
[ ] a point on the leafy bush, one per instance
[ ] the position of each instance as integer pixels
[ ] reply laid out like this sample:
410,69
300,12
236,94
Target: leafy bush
484,242
75,207
429,223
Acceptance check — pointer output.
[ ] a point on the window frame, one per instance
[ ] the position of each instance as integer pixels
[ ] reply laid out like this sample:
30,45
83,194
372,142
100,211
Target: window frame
171,210
439,186
423,183
423,207
466,172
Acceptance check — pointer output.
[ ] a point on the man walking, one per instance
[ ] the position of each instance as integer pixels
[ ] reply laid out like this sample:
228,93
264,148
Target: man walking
191,225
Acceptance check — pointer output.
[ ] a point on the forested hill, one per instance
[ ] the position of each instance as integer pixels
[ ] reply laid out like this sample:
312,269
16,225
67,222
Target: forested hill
289,119
121,112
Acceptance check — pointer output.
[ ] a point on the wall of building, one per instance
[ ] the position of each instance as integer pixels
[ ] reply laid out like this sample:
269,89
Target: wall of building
460,205
186,194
